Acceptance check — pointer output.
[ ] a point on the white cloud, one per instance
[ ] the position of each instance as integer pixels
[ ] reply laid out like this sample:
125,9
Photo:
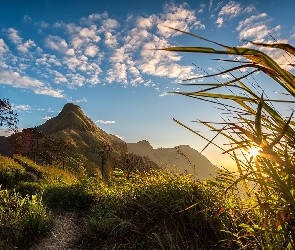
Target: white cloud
124,51
81,100
256,28
22,107
231,9
27,18
44,25
120,137
163,94
110,40
93,18
105,122
56,43
89,33
219,21
179,17
109,24
3,47
143,23
70,52
248,22
75,80
13,36
117,73
76,41
46,118
51,92
25,47
16,80
91,50
257,32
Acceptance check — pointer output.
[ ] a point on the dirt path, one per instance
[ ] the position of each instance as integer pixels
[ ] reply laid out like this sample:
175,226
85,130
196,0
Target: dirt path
33,175
65,234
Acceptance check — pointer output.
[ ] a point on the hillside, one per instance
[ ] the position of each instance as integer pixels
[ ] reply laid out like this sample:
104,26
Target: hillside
87,142
72,125
183,157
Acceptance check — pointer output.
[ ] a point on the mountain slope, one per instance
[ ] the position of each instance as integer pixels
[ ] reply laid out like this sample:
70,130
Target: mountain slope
182,157
72,125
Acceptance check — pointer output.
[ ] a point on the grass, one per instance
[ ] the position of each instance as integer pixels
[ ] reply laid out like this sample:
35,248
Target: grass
22,220
144,210
254,209
255,122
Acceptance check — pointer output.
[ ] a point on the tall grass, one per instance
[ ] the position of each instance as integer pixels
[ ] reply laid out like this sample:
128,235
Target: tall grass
22,220
268,178
149,211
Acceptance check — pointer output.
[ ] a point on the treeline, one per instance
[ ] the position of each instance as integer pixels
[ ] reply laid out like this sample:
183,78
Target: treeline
41,148
46,149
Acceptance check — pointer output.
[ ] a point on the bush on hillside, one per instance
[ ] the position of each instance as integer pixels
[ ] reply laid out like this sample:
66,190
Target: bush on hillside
11,173
145,209
22,220
65,198
25,188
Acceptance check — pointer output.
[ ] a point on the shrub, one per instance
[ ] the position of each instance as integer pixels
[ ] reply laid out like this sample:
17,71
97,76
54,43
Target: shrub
28,164
62,197
145,207
22,220
28,188
11,172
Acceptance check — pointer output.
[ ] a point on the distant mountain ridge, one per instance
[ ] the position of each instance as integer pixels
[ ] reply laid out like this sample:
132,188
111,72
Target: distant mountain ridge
182,157
73,126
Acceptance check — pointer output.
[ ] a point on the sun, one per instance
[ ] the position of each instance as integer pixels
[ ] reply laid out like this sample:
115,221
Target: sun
254,151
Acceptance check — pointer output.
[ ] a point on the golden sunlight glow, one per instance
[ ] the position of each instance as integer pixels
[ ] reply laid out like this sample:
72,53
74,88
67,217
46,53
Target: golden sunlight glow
254,151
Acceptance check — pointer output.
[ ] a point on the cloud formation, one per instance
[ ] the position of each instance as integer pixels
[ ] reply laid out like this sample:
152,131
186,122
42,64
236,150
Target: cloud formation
105,122
98,49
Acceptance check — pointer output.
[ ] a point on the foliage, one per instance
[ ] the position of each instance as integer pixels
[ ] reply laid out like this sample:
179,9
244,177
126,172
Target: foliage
25,188
65,198
41,148
47,174
11,172
131,162
256,123
135,211
22,220
8,117
28,164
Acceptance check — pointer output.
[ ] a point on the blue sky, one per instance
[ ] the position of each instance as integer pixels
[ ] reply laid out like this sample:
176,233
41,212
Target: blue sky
99,55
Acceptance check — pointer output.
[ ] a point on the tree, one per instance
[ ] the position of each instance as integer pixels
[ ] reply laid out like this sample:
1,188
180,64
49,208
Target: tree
8,117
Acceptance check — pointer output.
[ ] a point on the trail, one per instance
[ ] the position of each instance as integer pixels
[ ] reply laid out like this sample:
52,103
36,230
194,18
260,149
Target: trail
64,235
33,175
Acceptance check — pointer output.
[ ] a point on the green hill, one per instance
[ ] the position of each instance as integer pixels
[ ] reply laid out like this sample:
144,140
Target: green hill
87,140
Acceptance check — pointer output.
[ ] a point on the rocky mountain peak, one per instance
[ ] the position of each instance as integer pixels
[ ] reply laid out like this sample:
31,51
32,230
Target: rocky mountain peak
70,117
71,107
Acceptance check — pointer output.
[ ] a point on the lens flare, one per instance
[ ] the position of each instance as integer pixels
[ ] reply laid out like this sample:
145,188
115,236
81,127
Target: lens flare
254,151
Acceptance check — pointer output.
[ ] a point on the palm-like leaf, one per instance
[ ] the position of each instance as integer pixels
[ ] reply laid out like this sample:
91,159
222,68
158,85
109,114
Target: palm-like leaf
273,171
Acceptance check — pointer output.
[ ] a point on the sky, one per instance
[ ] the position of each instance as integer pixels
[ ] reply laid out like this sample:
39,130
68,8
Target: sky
101,55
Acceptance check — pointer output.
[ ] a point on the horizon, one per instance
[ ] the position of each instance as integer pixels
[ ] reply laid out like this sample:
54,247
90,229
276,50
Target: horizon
102,57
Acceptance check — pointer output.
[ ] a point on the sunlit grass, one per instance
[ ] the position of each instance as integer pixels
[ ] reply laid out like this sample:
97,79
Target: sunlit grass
261,142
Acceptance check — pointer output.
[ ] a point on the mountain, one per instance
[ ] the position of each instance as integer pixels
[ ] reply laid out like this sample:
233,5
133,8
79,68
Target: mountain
72,125
97,150
183,157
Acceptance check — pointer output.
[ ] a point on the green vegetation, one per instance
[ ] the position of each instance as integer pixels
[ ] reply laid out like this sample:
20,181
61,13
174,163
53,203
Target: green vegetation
267,178
22,220
141,207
